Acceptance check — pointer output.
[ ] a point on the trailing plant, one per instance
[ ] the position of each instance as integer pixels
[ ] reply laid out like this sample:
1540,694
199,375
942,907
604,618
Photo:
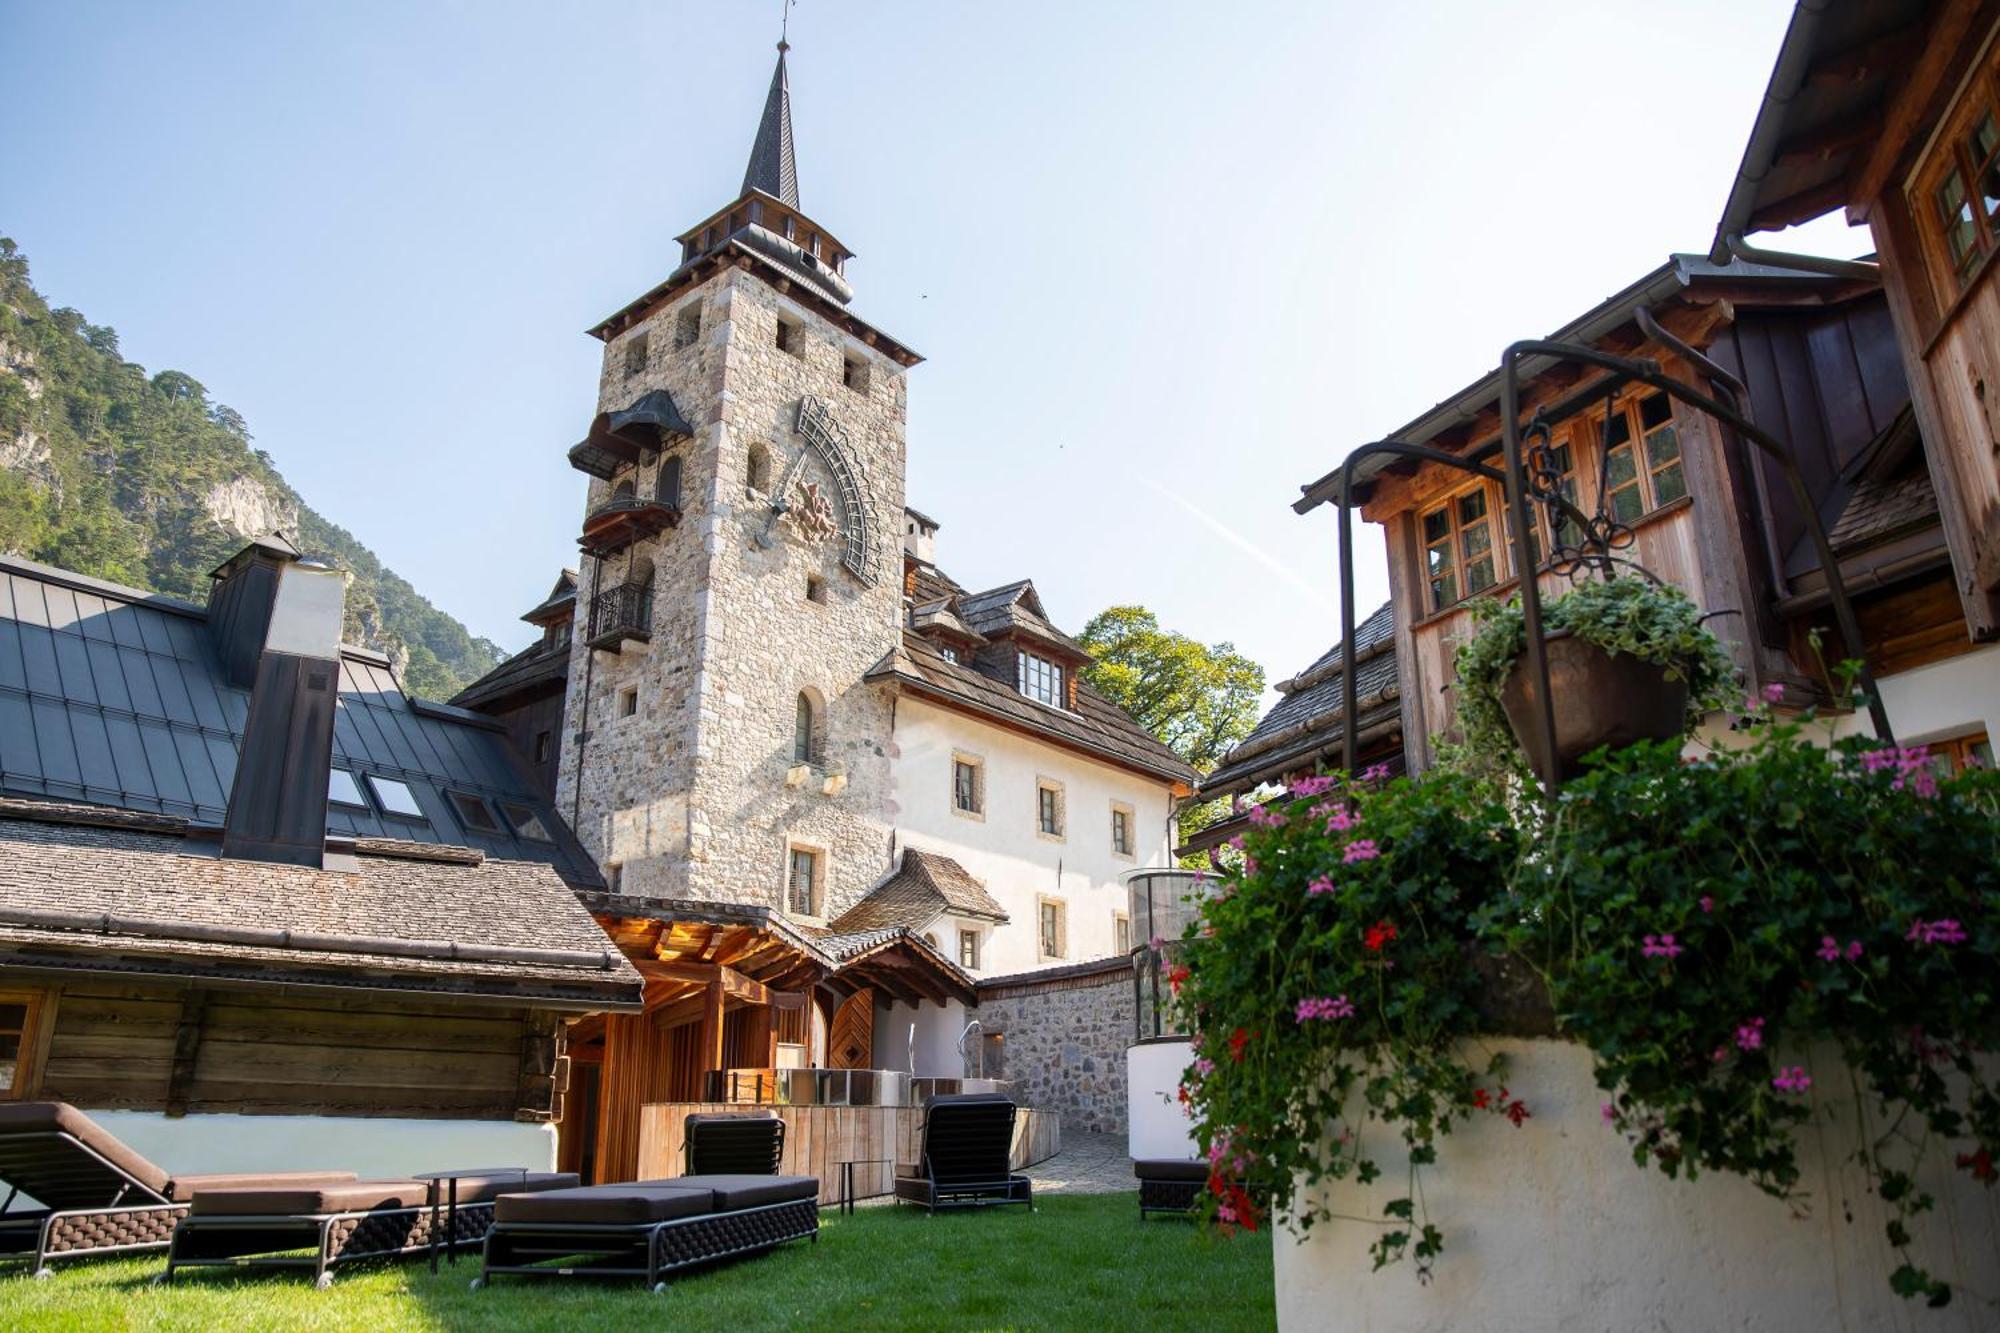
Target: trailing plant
1739,940
1328,979
1715,930
1653,622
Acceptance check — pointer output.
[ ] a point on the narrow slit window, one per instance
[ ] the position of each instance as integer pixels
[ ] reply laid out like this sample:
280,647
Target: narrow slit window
802,882
1048,810
1121,830
968,950
1052,930
966,797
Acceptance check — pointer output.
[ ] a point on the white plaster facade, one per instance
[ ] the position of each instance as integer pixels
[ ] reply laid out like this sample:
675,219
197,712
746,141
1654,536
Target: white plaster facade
1002,846
1551,1226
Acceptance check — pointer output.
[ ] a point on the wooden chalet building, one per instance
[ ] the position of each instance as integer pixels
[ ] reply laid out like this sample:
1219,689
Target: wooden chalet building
1305,731
1890,111
259,909
1821,360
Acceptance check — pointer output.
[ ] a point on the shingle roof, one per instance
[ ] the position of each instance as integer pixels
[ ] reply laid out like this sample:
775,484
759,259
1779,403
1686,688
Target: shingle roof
123,892
1306,720
1016,607
772,167
923,886
114,697
1098,728
537,667
1879,509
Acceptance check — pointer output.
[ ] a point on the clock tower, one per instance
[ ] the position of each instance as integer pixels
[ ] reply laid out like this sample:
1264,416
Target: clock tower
741,567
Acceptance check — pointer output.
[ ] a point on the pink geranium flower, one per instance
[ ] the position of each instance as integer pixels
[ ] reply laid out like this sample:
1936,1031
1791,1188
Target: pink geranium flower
1324,884
1750,1036
1795,1079
1361,849
1660,946
1324,1007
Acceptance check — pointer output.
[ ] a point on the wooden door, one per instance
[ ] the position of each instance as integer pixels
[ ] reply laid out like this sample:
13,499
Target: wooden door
850,1040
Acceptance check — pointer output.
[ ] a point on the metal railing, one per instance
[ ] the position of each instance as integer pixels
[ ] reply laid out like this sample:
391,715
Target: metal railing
624,611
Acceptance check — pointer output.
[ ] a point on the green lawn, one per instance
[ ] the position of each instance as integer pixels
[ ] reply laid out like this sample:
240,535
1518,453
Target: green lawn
1081,1262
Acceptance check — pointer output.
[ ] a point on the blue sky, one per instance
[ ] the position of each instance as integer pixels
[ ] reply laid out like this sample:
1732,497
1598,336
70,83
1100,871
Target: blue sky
1167,261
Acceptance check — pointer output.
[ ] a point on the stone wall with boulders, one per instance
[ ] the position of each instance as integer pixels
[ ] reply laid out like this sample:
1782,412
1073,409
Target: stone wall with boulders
1059,1036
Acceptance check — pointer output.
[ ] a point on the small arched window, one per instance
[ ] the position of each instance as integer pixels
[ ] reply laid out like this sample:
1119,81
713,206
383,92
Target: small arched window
757,470
808,729
622,491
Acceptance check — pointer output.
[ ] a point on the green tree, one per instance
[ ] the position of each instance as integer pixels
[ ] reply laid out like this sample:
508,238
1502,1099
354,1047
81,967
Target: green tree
1199,699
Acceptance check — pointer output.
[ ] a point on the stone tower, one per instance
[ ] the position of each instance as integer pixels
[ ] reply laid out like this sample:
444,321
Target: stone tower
742,567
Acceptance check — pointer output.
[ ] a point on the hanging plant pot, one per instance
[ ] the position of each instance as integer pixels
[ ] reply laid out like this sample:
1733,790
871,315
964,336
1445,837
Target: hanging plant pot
1599,700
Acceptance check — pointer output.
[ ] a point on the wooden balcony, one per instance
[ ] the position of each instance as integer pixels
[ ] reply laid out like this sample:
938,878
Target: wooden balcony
624,519
621,613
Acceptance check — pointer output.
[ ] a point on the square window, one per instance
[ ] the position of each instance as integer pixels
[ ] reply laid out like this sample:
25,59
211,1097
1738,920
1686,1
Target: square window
802,882
854,373
968,950
628,701
527,824
395,797
968,796
473,813
948,654
635,353
342,789
787,337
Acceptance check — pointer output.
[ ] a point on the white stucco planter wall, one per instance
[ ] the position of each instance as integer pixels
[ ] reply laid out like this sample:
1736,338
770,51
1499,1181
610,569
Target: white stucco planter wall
1160,1128
370,1147
1552,1226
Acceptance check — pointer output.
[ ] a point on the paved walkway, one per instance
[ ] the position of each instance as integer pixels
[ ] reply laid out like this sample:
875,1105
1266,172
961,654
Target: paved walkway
1088,1164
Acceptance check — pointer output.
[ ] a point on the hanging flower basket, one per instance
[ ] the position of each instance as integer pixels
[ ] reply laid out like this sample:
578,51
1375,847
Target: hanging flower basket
1601,699
1629,660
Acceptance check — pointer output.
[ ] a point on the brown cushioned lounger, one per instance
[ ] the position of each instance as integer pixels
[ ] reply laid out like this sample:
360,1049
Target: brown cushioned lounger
339,1221
98,1197
648,1227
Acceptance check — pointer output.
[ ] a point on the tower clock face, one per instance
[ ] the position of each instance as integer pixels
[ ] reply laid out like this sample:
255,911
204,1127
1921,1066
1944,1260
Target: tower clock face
841,510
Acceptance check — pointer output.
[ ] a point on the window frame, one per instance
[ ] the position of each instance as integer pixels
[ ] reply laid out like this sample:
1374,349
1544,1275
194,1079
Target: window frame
378,786
1034,667
1454,538
459,801
968,936
816,885
37,1024
1121,932
1130,851
1058,807
525,820
1044,906
1948,157
360,801
1961,752
628,701
977,765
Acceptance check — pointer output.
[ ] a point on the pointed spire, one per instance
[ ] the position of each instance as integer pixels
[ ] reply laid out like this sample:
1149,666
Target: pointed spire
772,168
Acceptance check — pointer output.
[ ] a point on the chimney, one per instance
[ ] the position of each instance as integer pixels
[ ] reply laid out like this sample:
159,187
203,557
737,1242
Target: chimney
919,537
277,805
239,604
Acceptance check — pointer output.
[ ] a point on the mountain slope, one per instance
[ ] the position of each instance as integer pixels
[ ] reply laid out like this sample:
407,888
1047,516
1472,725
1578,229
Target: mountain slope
145,481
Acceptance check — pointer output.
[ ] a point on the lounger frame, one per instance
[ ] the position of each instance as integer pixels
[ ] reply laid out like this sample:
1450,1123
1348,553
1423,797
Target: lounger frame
1168,1196
205,1240
953,1152
644,1249
47,1235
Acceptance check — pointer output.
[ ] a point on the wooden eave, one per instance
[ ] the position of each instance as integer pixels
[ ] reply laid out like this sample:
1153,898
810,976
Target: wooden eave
771,203
945,699
731,254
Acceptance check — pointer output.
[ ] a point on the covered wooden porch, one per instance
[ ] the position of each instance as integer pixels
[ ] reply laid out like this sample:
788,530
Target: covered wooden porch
732,993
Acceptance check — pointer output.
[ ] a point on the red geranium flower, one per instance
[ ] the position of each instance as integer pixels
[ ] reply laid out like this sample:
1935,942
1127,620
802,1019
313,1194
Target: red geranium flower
1237,1041
1980,1164
1378,935
1479,1099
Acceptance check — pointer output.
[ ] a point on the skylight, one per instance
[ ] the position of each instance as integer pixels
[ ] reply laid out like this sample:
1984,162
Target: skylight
396,797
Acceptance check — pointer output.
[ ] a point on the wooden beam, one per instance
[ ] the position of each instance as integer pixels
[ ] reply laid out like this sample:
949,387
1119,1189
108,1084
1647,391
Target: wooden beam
789,999
1834,137
187,1047
687,1009
732,982
1918,101
711,1026
1890,51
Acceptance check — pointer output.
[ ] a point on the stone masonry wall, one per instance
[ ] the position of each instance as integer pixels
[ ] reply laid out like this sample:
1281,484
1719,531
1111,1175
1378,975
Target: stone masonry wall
1063,1043
688,794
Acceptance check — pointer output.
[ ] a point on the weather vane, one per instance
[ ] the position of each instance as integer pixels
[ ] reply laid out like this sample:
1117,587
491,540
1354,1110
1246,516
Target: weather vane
785,23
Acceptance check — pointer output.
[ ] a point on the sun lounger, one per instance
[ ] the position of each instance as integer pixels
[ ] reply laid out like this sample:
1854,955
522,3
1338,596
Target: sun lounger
340,1222
733,1143
647,1228
97,1196
968,1137
1169,1185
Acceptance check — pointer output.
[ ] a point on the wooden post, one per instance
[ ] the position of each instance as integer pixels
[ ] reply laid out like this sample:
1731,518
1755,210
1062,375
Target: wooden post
187,1047
711,1026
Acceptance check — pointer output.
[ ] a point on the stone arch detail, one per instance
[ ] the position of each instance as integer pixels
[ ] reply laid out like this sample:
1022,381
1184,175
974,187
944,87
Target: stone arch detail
825,436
